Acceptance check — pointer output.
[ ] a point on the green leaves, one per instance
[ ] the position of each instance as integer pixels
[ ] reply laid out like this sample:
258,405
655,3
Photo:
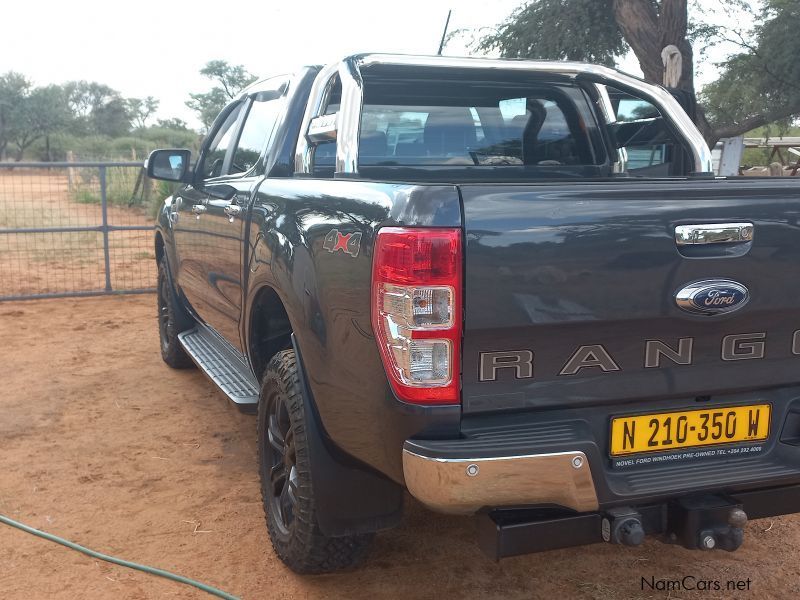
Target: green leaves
760,84
582,30
230,80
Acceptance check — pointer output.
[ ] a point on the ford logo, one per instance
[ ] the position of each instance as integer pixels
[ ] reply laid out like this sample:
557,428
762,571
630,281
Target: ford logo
712,297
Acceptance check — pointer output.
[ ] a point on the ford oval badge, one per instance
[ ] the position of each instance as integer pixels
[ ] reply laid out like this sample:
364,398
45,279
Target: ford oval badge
712,297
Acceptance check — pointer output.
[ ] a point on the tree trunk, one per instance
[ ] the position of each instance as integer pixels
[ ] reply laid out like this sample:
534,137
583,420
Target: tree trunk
638,21
648,31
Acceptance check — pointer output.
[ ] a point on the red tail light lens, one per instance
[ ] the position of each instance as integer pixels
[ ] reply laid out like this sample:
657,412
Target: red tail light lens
416,311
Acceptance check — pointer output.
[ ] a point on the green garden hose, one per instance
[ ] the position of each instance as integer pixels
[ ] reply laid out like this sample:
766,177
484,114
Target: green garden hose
118,561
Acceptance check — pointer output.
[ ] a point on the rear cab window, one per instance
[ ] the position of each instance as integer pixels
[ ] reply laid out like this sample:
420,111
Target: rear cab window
531,125
434,123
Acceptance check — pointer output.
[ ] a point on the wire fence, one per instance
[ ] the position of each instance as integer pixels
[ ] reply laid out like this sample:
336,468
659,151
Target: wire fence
76,229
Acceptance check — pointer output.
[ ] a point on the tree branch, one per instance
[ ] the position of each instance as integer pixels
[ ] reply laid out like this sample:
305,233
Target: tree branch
745,125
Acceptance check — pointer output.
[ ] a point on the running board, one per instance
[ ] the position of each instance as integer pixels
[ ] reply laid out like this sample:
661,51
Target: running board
222,365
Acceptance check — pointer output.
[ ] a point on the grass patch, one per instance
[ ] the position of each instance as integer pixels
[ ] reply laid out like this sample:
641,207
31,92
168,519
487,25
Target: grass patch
125,187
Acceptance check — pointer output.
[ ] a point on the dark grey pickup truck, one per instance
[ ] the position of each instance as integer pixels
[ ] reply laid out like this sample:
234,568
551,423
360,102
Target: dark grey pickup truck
513,288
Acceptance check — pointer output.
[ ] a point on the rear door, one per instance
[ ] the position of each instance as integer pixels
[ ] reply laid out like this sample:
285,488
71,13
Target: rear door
571,292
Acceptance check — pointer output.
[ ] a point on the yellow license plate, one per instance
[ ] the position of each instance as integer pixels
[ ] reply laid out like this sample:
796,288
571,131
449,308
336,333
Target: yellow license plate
686,429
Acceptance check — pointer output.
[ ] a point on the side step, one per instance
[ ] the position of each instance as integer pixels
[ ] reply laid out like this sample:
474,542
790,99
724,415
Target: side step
223,365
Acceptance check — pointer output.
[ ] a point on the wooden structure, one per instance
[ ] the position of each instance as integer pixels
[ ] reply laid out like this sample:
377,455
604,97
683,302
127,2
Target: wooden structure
785,150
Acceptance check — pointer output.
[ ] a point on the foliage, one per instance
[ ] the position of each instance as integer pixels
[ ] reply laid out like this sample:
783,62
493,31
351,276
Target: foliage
141,109
762,156
760,82
101,147
583,30
126,187
229,79
29,114
14,87
208,105
88,118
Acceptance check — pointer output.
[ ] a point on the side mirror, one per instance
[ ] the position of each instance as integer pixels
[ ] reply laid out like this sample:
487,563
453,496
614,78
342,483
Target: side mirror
168,165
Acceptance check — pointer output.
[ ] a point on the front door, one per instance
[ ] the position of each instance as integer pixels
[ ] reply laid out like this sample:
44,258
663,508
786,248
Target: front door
204,234
216,242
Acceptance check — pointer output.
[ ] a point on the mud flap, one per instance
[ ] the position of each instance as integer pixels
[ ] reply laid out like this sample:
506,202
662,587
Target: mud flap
350,498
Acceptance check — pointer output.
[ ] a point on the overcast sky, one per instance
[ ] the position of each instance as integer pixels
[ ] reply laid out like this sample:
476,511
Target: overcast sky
156,47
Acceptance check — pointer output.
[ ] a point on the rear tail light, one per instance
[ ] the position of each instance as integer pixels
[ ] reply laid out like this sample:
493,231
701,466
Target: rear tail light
416,311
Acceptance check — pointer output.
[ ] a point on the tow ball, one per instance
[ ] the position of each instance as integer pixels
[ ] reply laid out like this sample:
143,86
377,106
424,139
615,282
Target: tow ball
706,522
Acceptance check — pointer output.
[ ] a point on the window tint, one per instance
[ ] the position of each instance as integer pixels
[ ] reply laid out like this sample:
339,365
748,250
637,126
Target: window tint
641,132
255,133
452,123
215,155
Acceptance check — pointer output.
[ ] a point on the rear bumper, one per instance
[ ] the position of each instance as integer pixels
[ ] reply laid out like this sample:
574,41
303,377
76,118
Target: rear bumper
465,485
527,459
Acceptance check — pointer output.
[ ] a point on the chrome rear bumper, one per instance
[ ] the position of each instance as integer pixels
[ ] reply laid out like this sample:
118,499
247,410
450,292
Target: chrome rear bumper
466,485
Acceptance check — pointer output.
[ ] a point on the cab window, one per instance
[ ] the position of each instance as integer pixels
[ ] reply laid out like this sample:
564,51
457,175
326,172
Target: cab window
640,131
256,132
214,159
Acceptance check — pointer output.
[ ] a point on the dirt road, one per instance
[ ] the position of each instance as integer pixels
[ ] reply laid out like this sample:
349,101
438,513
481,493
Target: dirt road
103,444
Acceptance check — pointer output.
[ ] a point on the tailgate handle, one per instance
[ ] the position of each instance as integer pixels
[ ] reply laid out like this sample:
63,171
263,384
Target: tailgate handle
713,233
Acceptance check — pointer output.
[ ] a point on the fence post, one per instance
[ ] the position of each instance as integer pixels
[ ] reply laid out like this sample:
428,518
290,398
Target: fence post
70,158
104,207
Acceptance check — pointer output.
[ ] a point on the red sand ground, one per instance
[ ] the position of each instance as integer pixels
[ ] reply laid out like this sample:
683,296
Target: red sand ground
103,444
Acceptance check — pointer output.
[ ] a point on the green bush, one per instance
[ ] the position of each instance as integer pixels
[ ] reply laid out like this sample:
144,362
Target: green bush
125,186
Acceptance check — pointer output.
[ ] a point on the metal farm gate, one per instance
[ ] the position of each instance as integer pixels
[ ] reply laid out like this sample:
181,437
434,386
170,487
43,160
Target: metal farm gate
76,229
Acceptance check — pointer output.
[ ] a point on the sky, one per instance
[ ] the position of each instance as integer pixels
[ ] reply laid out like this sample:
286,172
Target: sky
157,47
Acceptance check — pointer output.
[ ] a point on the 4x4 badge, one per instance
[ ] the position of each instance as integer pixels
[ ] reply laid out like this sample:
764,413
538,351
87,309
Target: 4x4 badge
349,243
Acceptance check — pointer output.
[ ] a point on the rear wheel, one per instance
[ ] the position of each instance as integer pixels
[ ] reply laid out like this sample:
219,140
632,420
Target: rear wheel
172,320
286,477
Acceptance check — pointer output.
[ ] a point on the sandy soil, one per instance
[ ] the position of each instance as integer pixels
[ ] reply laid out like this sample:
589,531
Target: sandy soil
103,444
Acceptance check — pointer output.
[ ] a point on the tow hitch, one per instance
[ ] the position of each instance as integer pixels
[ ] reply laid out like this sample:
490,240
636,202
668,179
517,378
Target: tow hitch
706,522
696,522
701,521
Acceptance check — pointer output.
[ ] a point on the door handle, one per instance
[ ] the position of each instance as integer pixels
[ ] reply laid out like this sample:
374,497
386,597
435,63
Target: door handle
199,209
233,210
713,233
173,210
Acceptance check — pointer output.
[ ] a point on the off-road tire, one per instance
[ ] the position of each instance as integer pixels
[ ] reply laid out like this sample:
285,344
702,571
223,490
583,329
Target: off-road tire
297,540
172,320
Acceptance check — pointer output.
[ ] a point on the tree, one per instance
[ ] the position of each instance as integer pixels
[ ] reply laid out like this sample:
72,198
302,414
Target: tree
762,84
141,109
14,87
173,123
111,118
572,30
230,80
38,114
600,30
97,109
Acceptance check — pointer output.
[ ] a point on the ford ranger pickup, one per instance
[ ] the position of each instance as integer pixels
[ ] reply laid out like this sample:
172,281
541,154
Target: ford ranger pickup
514,289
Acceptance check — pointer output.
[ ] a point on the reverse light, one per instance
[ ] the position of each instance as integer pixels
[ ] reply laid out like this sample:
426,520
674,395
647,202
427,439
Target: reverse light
416,311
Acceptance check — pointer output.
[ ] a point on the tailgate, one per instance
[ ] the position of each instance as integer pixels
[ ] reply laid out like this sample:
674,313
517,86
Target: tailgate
571,292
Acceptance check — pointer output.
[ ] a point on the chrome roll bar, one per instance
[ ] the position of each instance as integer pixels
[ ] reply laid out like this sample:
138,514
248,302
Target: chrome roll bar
345,126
